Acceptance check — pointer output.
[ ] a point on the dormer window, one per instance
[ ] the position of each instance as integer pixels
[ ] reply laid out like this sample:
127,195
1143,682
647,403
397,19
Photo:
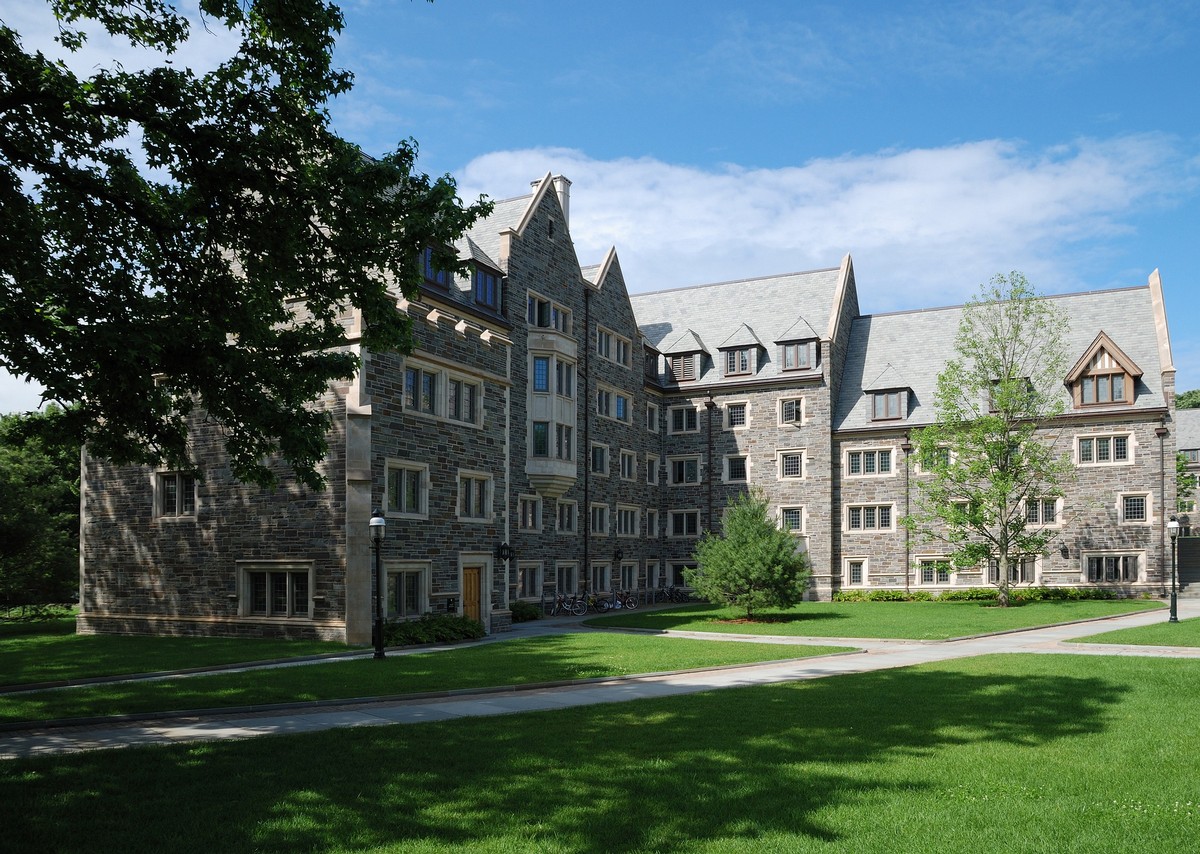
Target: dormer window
1103,388
434,276
1103,376
799,356
487,288
739,362
650,362
683,367
889,405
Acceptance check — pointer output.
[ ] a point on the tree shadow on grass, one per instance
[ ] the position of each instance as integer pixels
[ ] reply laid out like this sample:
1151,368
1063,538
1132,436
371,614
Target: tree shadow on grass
664,775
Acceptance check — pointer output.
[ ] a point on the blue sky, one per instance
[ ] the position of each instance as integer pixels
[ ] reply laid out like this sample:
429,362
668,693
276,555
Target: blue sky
938,143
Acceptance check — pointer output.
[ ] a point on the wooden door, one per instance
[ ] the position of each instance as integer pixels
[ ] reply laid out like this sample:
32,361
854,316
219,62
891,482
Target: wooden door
471,593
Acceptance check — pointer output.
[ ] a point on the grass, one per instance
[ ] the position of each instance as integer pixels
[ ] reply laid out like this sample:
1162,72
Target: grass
913,620
1182,633
523,661
1000,753
50,651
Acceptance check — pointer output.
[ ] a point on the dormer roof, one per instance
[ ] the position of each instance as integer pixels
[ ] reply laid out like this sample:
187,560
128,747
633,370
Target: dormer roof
741,337
1093,357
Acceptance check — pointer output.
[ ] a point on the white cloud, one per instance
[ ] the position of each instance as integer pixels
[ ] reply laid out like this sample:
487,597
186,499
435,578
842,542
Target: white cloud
925,226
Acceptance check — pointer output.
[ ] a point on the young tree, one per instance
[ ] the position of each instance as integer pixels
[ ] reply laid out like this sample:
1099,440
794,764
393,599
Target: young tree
989,454
753,564
174,242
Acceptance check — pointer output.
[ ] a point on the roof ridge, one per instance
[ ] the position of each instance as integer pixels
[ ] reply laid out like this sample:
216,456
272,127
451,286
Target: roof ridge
1067,295
735,281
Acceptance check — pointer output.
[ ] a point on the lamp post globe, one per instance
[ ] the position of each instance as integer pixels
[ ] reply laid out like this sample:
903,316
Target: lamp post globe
378,526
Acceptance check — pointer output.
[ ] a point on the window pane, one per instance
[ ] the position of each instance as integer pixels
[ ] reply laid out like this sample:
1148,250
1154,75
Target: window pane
299,592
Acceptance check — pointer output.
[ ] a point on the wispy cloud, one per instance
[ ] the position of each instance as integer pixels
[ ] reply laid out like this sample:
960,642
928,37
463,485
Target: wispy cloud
925,226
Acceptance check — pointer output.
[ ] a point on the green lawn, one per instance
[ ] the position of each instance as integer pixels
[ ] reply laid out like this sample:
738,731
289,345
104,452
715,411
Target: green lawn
1183,633
1003,753
522,661
51,651
913,620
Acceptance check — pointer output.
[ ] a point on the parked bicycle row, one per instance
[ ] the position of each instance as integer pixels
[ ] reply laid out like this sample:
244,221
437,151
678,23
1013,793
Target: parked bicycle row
580,603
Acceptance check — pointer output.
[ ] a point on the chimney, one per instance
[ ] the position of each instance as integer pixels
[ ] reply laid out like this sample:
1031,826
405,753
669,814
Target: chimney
562,187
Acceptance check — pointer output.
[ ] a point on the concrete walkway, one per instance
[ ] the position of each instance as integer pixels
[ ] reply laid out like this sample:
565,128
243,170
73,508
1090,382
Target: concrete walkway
873,655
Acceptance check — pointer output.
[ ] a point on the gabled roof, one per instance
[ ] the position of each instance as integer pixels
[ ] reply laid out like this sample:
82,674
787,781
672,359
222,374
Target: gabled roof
916,345
888,378
743,336
769,307
801,330
1102,344
685,342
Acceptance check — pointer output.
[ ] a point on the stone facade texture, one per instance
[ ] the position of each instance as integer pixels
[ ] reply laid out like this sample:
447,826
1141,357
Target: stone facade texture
792,430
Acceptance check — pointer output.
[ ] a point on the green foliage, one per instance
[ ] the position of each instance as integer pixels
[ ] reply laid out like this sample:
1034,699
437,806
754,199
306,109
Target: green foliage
753,565
1022,595
989,450
39,514
432,628
222,279
523,612
882,596
1062,594
970,594
1185,481
1188,399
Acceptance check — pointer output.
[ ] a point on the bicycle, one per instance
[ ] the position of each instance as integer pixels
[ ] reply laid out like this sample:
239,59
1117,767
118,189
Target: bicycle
562,604
625,599
596,603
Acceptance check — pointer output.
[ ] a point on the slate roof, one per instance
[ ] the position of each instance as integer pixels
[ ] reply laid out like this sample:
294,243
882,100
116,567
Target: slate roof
909,349
1187,429
772,308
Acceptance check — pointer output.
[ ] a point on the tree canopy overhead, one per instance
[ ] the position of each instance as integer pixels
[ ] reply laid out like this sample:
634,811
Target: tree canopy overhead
174,242
989,457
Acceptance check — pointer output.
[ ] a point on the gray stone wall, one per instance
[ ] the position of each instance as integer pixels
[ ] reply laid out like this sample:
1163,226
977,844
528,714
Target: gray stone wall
142,572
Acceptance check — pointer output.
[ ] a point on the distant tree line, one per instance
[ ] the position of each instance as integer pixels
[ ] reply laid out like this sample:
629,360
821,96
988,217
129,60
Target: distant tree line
39,515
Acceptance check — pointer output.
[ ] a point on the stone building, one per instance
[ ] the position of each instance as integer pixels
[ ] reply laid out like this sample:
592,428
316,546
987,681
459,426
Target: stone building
553,432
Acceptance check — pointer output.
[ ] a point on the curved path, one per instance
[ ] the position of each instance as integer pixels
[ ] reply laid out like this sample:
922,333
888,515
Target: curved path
873,654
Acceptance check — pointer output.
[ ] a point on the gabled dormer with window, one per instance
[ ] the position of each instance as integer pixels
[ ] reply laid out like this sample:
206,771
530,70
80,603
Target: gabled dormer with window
685,358
799,348
888,404
433,271
486,285
1103,376
740,353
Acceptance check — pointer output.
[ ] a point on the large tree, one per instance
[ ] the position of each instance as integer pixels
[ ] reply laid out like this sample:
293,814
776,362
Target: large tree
990,454
753,564
174,243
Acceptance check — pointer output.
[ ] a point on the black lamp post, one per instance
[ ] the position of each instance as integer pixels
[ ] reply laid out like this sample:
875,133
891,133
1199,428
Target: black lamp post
1173,531
378,526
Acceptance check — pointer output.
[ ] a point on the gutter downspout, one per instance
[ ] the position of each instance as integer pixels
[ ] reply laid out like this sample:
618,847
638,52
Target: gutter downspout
586,522
1161,432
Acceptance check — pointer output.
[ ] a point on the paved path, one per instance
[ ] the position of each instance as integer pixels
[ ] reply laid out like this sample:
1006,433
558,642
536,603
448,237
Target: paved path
874,654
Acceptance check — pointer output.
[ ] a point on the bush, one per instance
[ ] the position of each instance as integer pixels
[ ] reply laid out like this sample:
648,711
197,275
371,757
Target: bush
432,628
1060,594
523,612
851,596
970,594
882,596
